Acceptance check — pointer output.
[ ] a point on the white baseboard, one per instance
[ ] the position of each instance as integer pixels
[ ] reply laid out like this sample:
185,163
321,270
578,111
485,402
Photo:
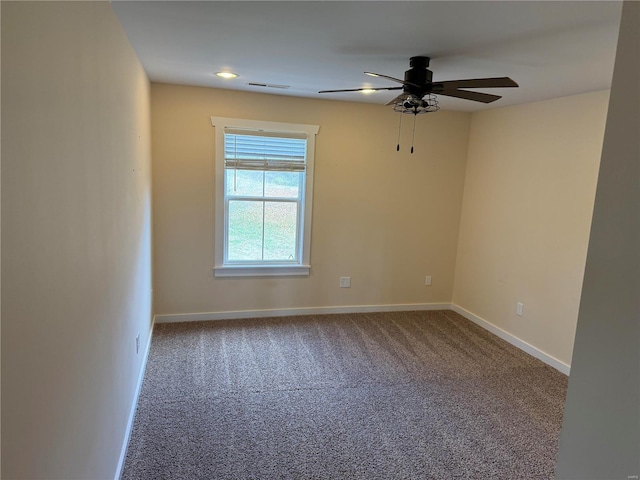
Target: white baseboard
287,312
513,340
132,413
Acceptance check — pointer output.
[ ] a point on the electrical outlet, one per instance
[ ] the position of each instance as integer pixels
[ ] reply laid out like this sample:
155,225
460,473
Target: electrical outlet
427,280
345,282
519,308
137,343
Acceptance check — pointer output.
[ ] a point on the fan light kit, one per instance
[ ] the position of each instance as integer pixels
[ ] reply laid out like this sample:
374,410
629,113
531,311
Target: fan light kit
419,92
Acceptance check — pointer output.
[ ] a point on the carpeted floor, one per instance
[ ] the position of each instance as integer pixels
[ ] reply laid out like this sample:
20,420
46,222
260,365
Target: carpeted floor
403,395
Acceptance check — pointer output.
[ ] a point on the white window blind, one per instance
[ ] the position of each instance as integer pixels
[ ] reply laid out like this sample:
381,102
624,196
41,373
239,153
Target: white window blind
259,150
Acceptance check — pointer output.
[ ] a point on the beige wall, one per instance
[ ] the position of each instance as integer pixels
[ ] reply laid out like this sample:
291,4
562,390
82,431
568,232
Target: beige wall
600,437
528,199
384,219
76,260
389,219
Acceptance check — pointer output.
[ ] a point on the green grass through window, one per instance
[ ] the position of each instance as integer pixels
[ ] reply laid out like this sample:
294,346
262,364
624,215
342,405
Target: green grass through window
262,229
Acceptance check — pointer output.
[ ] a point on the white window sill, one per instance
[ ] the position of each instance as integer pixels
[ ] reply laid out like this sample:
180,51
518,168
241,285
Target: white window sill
261,270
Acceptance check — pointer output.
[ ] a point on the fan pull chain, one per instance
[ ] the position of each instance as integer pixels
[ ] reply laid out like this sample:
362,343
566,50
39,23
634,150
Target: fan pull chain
400,125
413,135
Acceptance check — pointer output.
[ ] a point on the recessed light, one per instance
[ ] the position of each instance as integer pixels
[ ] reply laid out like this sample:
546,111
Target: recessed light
367,91
226,75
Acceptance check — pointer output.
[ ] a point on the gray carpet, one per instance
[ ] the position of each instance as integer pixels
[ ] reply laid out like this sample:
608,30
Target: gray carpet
403,395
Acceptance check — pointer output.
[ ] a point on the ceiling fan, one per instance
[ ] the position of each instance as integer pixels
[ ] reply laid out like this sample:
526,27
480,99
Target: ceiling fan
419,91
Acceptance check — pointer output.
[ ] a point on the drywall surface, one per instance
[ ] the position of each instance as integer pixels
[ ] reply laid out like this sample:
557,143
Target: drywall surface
528,200
76,233
383,218
600,437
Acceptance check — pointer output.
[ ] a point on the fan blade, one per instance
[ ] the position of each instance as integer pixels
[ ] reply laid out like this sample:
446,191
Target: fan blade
475,96
360,89
498,82
402,96
404,82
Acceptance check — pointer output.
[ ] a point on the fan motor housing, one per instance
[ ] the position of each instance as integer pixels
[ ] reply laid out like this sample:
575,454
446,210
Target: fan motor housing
418,74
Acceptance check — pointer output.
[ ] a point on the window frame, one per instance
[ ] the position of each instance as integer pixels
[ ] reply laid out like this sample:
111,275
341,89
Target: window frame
222,268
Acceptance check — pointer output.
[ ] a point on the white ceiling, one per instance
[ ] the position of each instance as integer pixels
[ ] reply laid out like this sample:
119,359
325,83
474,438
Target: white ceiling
551,48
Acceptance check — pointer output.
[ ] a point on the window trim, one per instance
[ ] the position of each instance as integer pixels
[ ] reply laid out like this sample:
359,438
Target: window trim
221,269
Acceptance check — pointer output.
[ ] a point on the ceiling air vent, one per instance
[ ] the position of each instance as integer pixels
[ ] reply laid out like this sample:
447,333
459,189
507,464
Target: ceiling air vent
268,85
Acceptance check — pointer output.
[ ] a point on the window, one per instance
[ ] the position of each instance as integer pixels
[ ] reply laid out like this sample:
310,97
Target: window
264,189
